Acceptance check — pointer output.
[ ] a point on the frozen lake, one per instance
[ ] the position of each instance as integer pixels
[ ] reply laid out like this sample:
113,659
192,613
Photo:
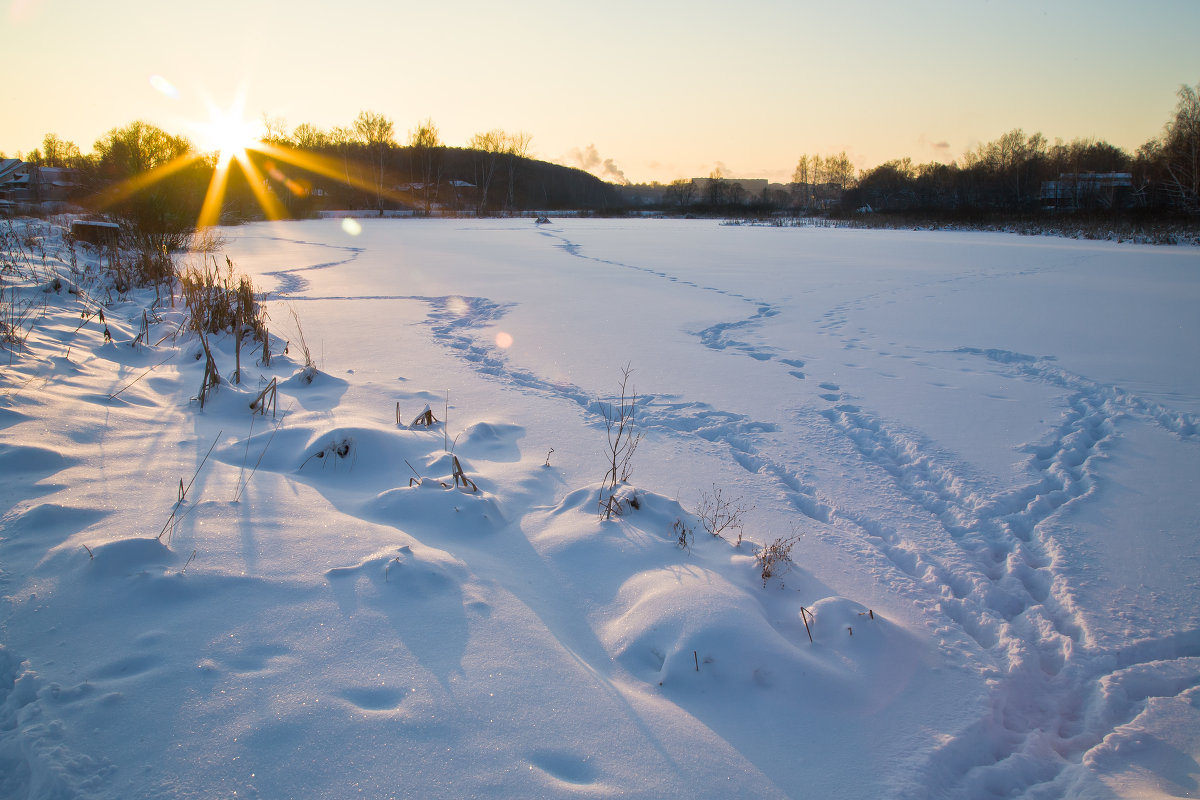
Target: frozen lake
982,448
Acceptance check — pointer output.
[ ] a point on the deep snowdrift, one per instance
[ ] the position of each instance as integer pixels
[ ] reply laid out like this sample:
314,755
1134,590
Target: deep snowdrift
982,451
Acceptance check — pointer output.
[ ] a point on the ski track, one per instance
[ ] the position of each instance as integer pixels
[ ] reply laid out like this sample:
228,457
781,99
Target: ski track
1054,697
998,579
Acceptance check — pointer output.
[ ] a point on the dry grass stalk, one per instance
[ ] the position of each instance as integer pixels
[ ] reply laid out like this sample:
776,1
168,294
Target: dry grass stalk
266,353
183,492
414,481
113,396
683,535
807,615
242,485
212,378
267,397
425,419
460,477
310,369
221,301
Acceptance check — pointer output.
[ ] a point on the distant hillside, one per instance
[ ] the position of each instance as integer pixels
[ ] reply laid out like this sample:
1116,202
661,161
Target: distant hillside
432,180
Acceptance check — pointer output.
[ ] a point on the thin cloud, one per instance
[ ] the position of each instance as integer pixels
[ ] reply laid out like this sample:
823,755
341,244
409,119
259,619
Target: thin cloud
940,148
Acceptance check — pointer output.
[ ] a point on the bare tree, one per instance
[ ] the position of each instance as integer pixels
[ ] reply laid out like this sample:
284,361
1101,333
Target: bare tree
426,150
1008,165
1180,150
376,132
681,192
488,147
310,137
716,190
518,143
275,130
818,181
839,171
516,146
55,152
802,180
343,139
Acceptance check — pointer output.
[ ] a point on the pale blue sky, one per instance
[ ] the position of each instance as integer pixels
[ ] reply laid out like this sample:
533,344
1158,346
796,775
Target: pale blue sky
663,89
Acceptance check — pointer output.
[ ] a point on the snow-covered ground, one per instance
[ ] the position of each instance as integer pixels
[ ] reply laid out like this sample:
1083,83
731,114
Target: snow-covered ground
983,449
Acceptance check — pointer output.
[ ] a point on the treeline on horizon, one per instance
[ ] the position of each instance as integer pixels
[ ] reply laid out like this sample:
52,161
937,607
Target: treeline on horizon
363,167
360,167
1014,174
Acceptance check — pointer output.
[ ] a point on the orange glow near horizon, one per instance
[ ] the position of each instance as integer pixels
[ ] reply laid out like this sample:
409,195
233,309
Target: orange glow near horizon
231,139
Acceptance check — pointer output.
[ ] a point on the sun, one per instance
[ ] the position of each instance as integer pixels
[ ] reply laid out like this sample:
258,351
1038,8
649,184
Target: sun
227,134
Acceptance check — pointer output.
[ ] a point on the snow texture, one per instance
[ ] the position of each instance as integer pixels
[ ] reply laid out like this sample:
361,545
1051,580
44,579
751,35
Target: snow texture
981,449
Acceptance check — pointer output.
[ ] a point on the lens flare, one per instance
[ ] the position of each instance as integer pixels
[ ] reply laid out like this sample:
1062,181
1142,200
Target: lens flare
504,340
163,86
351,226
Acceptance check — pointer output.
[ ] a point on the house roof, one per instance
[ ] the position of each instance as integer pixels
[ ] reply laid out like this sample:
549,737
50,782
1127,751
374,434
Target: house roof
9,167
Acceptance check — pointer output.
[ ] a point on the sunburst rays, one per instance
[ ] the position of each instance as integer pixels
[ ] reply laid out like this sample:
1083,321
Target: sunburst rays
228,140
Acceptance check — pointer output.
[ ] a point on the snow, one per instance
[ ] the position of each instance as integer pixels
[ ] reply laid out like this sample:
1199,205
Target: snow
984,448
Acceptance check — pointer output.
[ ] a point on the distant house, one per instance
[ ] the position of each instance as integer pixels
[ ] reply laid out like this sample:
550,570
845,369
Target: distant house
53,184
14,182
1080,190
463,194
22,183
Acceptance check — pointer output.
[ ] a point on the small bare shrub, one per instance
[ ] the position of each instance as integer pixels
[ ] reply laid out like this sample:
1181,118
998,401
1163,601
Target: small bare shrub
16,319
720,514
152,265
619,421
776,558
17,312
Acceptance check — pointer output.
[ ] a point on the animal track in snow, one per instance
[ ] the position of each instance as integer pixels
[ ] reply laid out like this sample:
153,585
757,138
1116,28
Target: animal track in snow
719,336
1000,582
292,282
